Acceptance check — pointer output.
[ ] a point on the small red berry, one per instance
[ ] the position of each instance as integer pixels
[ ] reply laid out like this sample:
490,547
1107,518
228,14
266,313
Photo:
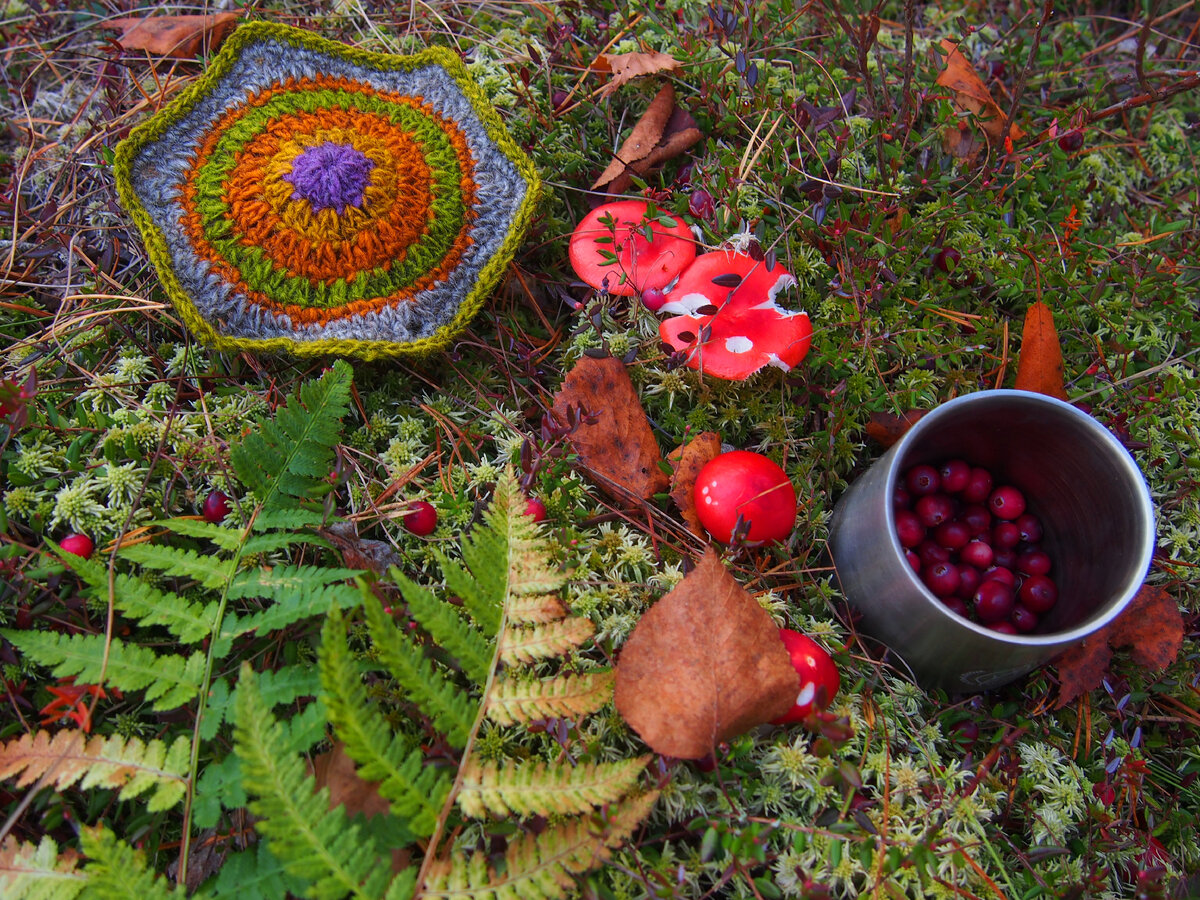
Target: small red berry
909,529
922,480
1024,618
1006,502
978,487
947,259
653,299
941,578
993,601
78,544
535,508
421,518
818,678
1039,593
1071,141
977,554
956,474
934,509
215,508
700,204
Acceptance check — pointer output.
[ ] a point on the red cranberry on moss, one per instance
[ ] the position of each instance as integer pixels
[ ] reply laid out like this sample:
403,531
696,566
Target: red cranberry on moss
78,545
1071,141
535,509
215,507
947,259
421,519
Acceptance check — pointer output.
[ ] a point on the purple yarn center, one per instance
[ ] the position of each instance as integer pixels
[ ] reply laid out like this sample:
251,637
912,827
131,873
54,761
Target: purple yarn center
330,176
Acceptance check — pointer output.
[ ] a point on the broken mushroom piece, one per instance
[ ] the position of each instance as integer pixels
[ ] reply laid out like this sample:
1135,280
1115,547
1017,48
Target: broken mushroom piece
610,249
730,321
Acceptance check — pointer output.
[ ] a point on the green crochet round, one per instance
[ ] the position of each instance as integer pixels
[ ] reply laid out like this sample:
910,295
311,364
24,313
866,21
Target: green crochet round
310,197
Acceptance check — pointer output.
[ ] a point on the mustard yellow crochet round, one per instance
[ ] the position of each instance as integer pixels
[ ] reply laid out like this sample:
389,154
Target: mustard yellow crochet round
309,197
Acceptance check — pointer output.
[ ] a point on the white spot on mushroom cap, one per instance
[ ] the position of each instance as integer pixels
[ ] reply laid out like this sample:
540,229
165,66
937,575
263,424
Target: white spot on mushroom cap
774,307
785,281
739,344
686,304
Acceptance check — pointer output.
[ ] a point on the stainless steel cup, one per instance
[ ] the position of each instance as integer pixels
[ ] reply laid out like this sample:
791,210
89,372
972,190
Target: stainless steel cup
1087,490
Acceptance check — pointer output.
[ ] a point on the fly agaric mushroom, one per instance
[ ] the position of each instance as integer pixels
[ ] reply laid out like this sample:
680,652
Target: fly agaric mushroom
619,230
730,321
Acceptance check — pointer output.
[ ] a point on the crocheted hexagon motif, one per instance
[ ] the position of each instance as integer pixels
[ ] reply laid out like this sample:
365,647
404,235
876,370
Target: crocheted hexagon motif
310,197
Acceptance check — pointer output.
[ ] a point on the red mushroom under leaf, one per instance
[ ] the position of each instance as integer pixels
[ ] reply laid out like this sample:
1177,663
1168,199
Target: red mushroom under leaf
619,229
748,329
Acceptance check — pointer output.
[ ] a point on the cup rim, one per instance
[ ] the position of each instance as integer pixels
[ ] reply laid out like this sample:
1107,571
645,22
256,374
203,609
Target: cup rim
1127,463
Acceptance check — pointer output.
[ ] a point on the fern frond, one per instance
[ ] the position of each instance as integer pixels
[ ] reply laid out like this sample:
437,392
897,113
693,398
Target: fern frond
524,645
254,874
451,708
224,536
288,519
29,872
441,619
545,789
336,857
210,571
187,620
514,700
117,872
532,609
403,886
107,762
298,592
169,681
288,460
415,791
283,686
542,865
482,594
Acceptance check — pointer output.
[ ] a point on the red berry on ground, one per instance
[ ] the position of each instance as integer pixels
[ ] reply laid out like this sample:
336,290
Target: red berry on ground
421,519
1006,502
922,480
535,508
78,544
1039,593
749,486
215,507
1071,141
979,487
700,204
653,299
955,474
947,259
817,676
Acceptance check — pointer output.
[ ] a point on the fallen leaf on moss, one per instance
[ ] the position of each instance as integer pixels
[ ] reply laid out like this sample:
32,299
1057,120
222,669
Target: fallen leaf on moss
703,665
179,37
971,94
1151,626
619,451
663,132
335,770
885,428
1040,366
627,66
686,462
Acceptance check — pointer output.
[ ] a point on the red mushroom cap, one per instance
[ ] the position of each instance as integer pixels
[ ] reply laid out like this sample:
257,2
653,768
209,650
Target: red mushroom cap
640,263
815,669
748,331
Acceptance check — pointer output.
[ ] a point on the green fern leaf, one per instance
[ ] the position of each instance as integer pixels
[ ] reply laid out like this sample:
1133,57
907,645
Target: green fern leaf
117,872
525,645
189,621
542,865
223,536
403,886
288,460
283,686
252,875
315,843
297,592
544,789
108,762
40,872
415,791
482,594
514,700
169,681
210,571
472,650
451,708
288,519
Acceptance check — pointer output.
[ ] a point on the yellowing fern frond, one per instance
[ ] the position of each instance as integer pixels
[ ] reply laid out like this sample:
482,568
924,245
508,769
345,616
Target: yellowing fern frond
106,762
28,871
524,645
542,865
514,700
535,608
540,789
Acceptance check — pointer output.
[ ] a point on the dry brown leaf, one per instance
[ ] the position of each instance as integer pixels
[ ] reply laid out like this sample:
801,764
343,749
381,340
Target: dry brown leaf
619,450
703,665
1040,367
885,428
645,135
179,37
627,66
686,462
335,770
1151,626
972,94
